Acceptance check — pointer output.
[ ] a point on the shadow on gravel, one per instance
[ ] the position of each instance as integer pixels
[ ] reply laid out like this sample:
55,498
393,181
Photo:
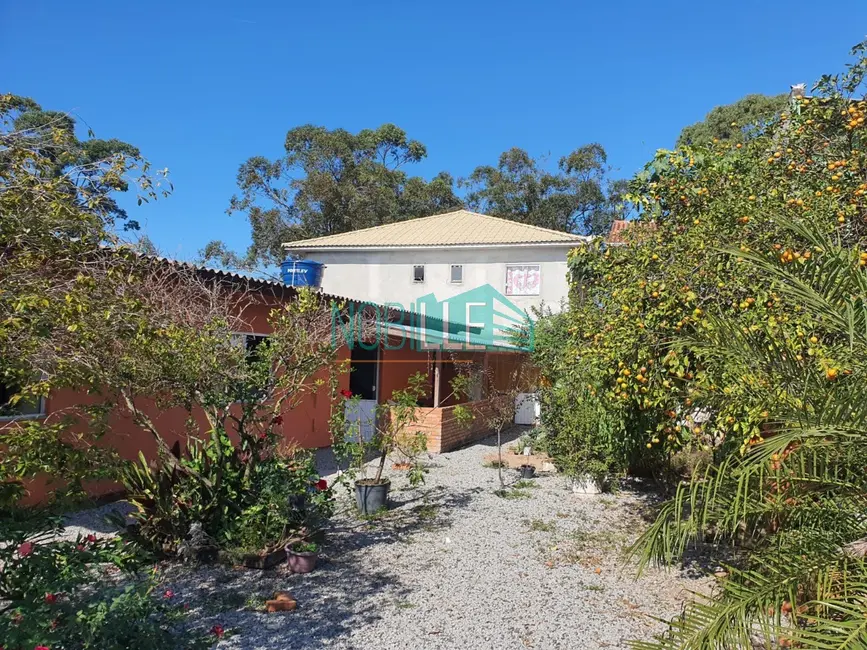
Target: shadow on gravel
416,511
339,596
508,436
97,519
346,592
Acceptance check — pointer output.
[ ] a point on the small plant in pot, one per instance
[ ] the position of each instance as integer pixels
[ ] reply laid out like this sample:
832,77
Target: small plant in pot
301,556
392,433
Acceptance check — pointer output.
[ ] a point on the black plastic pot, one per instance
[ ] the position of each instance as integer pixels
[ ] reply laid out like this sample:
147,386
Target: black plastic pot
371,497
527,471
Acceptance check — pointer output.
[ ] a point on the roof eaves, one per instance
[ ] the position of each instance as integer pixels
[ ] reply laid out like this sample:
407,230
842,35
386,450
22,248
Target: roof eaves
290,246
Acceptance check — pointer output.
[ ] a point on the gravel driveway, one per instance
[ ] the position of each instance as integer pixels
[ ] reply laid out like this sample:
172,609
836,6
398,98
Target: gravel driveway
453,565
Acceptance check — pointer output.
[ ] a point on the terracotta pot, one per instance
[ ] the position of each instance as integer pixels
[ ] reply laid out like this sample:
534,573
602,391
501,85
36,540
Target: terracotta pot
282,602
301,562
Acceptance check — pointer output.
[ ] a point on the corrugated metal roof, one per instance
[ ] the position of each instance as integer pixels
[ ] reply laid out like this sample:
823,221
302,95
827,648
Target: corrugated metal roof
457,228
234,276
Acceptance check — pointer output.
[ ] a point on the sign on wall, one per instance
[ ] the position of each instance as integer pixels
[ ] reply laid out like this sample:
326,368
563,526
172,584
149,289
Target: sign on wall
523,279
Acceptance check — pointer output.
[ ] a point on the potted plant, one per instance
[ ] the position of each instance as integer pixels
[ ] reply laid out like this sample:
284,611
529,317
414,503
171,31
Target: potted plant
301,557
527,471
393,433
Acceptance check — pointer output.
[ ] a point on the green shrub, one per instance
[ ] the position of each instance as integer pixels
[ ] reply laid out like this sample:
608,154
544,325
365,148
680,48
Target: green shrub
240,504
584,437
64,594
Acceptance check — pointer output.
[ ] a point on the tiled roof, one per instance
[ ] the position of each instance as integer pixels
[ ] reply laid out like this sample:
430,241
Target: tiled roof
457,228
618,228
617,234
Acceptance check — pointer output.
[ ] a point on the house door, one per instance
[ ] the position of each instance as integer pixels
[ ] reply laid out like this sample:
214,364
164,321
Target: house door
363,382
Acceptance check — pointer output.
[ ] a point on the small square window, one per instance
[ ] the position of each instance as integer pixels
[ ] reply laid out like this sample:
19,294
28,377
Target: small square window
456,274
418,273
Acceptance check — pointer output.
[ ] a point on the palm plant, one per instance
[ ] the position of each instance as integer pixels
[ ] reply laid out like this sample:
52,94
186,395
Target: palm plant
792,508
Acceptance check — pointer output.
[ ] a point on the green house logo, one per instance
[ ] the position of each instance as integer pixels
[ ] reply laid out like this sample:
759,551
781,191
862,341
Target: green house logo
478,319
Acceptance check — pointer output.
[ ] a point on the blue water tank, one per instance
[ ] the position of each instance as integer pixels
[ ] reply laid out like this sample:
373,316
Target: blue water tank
301,273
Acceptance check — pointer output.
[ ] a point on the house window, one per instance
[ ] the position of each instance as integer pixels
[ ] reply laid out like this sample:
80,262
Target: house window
24,408
418,273
456,274
254,341
250,343
523,279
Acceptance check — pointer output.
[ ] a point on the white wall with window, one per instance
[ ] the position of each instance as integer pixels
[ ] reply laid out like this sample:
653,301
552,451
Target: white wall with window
528,275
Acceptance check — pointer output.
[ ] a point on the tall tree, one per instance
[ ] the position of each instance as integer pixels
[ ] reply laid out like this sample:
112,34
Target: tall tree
331,181
578,197
735,122
51,135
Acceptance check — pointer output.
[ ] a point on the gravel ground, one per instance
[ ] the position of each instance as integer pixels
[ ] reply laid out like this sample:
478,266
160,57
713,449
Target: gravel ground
453,565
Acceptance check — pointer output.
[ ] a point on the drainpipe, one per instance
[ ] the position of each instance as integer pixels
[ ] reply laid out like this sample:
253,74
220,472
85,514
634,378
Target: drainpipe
438,371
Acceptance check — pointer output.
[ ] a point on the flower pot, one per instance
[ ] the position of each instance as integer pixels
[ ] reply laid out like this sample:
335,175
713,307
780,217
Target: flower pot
586,484
301,562
371,497
527,471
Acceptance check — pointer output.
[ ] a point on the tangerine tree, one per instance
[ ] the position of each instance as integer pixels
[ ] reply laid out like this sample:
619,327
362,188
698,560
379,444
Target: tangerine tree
731,320
634,305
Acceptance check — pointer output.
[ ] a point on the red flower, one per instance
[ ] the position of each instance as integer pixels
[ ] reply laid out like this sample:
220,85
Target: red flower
42,647
25,549
79,547
278,420
168,594
346,393
50,598
322,484
218,631
91,538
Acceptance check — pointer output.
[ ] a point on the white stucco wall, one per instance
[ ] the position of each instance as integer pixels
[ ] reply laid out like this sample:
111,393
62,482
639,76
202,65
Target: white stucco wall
387,275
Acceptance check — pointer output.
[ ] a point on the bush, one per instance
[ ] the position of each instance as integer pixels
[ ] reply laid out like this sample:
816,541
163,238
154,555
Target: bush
584,437
583,434
80,595
240,504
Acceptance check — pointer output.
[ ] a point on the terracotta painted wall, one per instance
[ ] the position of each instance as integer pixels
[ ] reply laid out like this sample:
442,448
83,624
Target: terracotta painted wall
397,366
305,426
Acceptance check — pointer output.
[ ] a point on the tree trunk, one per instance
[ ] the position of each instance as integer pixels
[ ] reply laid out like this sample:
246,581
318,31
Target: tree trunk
500,457
379,469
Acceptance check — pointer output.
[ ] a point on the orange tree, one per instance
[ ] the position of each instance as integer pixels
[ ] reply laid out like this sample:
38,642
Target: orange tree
733,319
634,306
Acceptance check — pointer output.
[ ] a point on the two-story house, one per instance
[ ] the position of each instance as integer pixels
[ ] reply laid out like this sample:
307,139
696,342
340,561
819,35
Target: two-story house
468,282
445,255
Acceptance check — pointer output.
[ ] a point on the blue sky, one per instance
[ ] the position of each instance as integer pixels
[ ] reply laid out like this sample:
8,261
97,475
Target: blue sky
199,87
